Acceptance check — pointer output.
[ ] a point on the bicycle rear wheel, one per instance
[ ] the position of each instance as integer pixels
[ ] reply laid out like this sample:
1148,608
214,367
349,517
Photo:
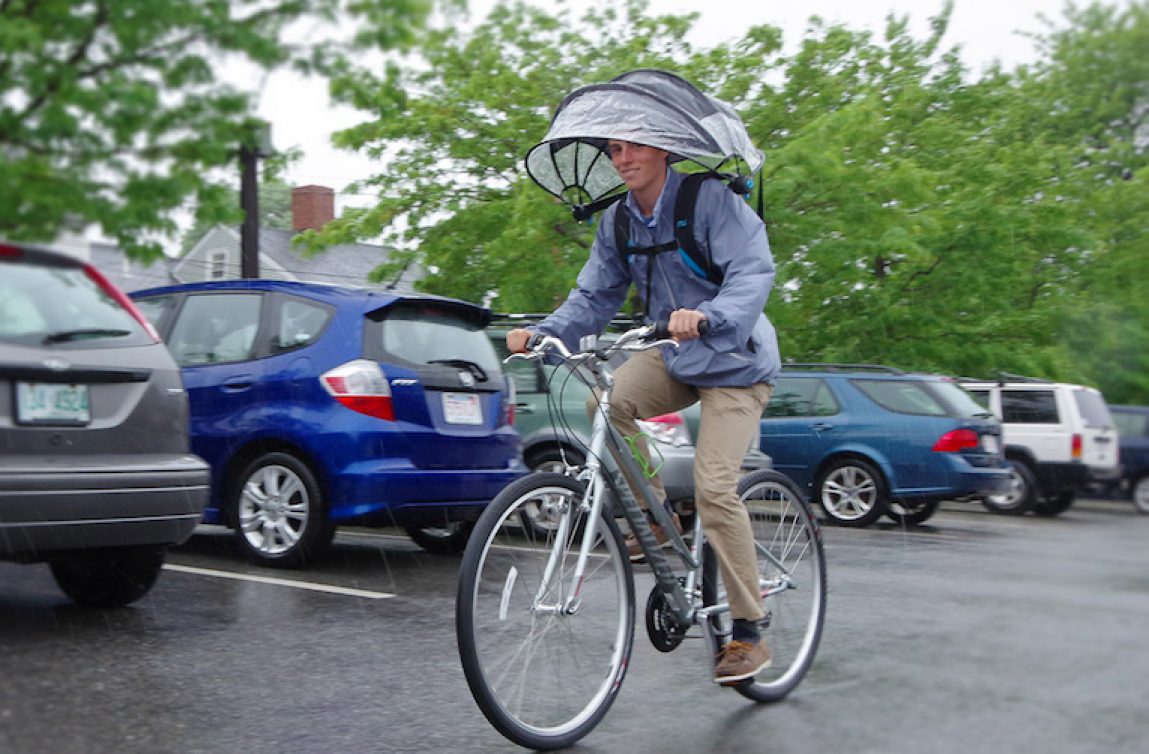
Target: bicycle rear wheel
792,572
543,667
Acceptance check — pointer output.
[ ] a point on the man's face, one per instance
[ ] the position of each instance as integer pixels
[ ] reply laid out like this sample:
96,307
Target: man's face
640,166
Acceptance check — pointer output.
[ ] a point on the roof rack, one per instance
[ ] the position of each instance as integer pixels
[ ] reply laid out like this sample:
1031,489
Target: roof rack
1004,377
1009,377
829,367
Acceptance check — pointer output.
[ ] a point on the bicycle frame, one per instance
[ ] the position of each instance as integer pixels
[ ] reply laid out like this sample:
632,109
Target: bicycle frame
606,451
608,458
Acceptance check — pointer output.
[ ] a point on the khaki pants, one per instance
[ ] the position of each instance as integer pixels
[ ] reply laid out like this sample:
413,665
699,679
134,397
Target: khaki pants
643,388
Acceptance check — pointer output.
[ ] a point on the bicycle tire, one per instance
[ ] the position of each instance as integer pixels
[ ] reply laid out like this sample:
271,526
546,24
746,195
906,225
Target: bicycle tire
784,526
543,677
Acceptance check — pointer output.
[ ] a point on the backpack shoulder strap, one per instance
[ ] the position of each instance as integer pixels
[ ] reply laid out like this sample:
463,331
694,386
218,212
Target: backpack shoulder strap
692,254
622,240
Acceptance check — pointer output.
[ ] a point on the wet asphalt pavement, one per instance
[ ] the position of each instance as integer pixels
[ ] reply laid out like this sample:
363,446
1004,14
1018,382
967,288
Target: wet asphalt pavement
975,633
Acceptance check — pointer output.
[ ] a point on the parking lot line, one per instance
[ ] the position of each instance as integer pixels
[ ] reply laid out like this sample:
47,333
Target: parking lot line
330,589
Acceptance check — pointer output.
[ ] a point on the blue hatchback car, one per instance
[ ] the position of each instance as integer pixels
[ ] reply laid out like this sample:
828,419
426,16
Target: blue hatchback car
319,405
868,441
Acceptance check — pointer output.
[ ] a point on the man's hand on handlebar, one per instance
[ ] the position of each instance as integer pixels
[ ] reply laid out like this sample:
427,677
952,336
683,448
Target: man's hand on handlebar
685,324
517,340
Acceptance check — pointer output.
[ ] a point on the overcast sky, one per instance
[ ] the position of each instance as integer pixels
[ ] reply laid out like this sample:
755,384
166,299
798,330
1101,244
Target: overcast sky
985,29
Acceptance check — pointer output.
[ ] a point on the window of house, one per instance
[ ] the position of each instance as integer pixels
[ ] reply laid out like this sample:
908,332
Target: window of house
217,265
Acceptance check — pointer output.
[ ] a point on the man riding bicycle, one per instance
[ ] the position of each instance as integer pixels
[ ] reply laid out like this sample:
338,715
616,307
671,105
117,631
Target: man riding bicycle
730,371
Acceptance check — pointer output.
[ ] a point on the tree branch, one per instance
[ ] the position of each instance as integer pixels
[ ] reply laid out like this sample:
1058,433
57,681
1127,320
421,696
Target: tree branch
78,54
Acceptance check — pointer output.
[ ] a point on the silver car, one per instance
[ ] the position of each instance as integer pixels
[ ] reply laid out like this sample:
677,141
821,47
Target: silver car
96,478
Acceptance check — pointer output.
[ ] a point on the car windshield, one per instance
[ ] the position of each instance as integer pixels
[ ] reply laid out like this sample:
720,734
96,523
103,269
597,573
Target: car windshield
1094,412
60,306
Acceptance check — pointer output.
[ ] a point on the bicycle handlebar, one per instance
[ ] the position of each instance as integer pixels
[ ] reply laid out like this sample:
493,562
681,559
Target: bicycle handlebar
636,339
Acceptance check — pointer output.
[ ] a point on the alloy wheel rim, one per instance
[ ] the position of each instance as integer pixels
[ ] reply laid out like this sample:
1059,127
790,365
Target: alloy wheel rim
273,510
849,493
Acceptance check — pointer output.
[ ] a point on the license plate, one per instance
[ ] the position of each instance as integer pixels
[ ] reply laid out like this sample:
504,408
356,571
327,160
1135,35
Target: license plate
52,403
989,444
462,408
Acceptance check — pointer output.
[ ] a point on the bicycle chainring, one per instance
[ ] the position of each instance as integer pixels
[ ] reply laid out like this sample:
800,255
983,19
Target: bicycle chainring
663,628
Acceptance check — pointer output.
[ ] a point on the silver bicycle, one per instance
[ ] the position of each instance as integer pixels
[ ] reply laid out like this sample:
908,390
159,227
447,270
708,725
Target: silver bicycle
545,614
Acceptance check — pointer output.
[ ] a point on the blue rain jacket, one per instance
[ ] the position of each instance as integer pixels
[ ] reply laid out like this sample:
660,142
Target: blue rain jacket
741,348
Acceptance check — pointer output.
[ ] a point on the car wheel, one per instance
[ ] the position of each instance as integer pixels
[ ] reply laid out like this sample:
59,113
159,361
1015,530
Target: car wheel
1022,494
448,539
851,493
108,578
278,512
1139,492
542,517
1054,504
912,513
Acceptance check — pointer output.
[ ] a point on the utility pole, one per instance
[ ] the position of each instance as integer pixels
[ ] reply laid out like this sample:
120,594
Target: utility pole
257,144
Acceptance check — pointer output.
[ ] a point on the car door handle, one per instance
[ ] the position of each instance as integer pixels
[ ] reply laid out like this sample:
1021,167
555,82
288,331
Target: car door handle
524,408
237,384
821,427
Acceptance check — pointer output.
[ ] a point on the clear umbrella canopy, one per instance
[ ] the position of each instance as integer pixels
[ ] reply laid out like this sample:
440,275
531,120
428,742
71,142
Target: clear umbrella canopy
655,108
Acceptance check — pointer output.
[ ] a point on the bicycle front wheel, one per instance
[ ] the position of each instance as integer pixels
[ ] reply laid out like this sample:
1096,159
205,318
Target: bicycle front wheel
792,574
544,661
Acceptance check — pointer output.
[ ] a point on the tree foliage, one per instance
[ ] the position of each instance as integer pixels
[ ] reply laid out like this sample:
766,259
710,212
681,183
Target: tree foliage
918,216
112,112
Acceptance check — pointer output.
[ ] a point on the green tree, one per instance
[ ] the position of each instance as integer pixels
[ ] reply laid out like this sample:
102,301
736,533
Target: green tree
918,216
111,112
1091,93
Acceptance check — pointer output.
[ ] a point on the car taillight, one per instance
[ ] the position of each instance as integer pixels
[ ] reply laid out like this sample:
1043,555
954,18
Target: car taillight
1076,447
361,386
122,299
956,441
668,429
14,252
509,398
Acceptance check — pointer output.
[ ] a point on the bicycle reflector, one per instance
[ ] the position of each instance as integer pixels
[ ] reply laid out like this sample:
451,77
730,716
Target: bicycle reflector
361,386
956,441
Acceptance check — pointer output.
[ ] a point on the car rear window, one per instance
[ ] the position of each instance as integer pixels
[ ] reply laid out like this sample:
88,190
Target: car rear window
1093,410
59,306
960,402
420,333
902,396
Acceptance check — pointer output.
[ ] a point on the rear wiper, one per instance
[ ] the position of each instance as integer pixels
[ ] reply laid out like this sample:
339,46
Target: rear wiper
470,366
66,335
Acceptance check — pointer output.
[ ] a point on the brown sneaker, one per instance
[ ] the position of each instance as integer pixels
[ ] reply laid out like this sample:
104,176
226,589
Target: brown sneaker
742,660
634,549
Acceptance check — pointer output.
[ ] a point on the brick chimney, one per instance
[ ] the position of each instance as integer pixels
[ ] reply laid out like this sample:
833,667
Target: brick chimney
312,207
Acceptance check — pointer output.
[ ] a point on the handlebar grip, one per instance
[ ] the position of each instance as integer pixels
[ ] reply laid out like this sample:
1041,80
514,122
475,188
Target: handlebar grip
534,340
662,332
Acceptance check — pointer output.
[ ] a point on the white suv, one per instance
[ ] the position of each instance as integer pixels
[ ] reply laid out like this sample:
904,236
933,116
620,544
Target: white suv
1058,437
